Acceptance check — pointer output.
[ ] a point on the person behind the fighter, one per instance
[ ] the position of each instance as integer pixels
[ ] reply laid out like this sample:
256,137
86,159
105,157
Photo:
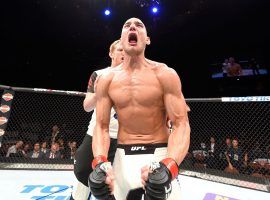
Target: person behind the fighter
144,93
84,155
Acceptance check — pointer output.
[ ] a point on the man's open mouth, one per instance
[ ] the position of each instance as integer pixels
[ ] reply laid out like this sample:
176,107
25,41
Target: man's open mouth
132,39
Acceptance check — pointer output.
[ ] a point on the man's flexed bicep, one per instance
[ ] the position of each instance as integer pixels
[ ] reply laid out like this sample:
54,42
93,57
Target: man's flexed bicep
176,109
101,138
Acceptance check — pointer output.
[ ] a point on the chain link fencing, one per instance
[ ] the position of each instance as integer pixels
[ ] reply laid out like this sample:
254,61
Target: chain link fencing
230,137
230,141
38,119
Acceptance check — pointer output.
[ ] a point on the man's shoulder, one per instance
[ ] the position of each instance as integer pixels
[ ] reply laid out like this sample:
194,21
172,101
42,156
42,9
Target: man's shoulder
162,70
160,67
101,71
107,74
166,75
156,65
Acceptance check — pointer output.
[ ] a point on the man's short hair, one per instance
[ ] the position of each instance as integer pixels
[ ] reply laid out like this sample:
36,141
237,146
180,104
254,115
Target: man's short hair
112,47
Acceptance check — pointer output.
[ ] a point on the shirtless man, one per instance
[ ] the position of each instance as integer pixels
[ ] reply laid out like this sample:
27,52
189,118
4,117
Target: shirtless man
143,93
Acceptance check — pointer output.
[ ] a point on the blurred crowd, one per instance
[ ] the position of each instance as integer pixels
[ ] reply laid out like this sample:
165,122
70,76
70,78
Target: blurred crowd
231,68
53,146
231,157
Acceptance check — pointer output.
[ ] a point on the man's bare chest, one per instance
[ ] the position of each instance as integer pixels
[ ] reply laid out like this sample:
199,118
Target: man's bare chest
139,90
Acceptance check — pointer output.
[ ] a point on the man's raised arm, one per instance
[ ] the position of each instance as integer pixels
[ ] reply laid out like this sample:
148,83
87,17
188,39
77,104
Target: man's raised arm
179,138
101,179
176,109
101,137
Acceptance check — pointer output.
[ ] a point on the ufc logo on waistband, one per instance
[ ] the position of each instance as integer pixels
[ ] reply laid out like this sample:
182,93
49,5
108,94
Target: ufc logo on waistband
137,148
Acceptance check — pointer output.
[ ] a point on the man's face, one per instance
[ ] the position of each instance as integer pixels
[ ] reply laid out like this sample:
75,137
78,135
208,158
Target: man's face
54,147
118,54
235,143
26,147
134,36
44,145
73,144
228,142
19,144
36,147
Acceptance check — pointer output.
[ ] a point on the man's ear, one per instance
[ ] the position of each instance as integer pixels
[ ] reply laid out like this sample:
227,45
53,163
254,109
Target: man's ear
148,41
111,55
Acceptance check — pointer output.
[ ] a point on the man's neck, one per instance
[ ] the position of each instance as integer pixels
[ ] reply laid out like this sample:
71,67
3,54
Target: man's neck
134,62
113,64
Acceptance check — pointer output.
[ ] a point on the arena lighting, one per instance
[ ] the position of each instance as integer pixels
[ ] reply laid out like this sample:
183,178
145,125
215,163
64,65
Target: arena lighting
154,10
107,12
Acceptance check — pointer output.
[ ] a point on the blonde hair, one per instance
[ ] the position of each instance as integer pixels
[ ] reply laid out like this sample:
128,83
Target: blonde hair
112,47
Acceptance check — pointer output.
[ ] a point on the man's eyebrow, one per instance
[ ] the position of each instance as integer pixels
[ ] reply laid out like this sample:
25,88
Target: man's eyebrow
136,22
127,23
139,23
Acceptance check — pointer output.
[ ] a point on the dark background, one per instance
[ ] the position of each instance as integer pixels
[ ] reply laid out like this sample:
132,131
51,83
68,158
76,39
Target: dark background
57,44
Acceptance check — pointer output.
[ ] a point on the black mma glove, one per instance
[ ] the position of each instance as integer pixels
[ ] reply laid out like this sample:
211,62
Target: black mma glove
97,179
158,186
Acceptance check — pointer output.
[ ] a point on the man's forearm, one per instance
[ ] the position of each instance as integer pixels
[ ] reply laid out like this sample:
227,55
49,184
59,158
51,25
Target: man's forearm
101,142
89,102
178,143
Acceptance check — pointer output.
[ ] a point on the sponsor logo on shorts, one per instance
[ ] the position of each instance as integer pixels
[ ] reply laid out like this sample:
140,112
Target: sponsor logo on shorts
4,108
138,148
2,132
211,196
3,120
7,96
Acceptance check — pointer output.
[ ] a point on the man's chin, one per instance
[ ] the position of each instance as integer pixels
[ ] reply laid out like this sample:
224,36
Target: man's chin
133,51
